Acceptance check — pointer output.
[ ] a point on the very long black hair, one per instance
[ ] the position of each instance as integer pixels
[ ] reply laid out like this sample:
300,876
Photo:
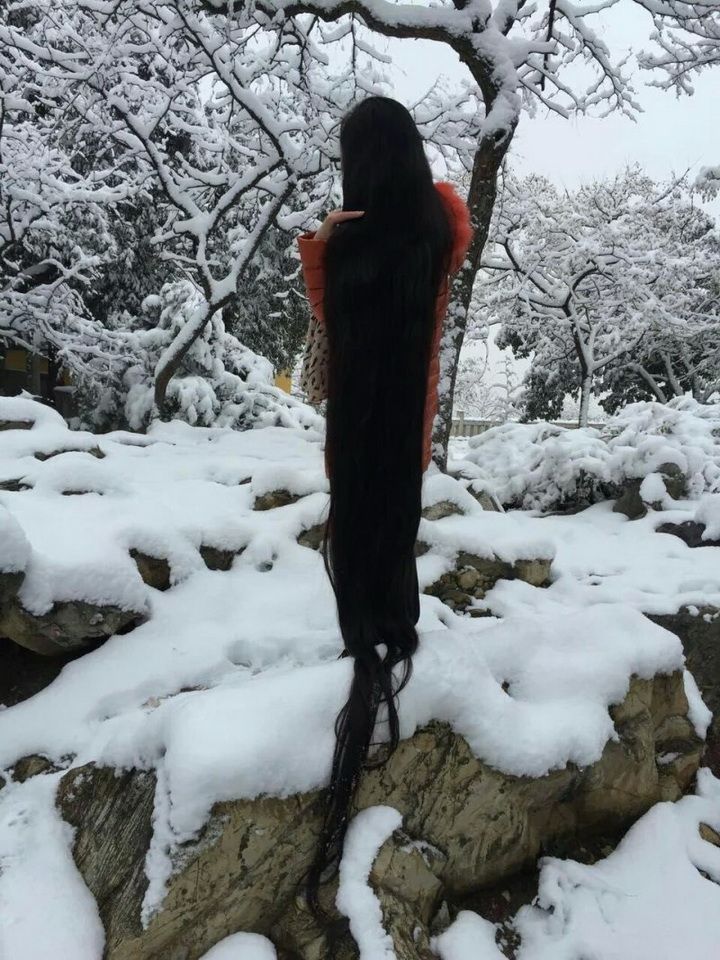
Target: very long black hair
382,275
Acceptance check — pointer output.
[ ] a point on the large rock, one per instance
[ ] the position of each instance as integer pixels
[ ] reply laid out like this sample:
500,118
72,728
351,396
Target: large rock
699,631
633,505
474,576
470,825
111,852
690,532
69,626
10,583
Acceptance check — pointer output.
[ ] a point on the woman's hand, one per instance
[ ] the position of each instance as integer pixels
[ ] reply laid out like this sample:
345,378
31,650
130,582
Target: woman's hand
332,220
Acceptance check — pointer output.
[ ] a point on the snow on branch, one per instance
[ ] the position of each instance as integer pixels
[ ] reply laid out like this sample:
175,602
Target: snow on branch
616,282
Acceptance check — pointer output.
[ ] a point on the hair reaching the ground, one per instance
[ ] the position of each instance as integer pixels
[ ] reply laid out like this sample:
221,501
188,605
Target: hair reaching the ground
382,275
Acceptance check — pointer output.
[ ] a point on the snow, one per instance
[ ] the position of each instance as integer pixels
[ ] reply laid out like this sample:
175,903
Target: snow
470,937
652,490
355,898
441,486
698,714
242,946
656,897
253,650
624,906
47,911
283,477
708,514
15,547
602,557
24,410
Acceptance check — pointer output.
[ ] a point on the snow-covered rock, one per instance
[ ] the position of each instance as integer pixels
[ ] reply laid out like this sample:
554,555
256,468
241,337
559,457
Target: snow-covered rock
206,731
242,868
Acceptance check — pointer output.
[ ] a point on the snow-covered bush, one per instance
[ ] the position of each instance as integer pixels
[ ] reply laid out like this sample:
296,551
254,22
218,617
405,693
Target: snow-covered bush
220,382
540,466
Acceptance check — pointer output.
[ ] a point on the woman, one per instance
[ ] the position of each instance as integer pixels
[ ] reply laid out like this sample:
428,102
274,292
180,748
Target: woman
376,275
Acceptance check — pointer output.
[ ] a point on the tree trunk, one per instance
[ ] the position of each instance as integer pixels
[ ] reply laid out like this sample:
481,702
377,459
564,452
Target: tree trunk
585,391
481,200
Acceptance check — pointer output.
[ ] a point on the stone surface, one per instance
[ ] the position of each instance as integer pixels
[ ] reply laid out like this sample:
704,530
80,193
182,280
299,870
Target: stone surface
15,485
155,571
440,509
31,766
313,536
707,833
465,826
631,503
675,480
93,451
473,577
69,626
217,558
689,532
274,498
111,855
485,497
10,583
16,424
700,635
408,892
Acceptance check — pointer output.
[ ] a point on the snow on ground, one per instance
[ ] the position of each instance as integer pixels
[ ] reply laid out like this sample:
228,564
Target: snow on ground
602,557
46,911
254,649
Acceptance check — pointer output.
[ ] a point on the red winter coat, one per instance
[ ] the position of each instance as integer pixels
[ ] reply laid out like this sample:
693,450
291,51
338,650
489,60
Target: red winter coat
312,255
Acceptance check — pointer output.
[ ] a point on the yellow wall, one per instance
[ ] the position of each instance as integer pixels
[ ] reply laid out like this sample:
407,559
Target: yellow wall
17,361
283,380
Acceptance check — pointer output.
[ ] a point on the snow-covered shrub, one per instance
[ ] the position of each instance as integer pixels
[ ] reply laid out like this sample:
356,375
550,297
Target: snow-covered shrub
540,466
220,382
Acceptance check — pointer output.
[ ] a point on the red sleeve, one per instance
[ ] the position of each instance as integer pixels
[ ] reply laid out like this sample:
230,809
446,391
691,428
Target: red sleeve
312,258
460,219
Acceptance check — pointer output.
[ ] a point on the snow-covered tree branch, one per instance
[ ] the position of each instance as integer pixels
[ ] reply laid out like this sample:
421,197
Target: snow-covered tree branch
616,280
223,116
